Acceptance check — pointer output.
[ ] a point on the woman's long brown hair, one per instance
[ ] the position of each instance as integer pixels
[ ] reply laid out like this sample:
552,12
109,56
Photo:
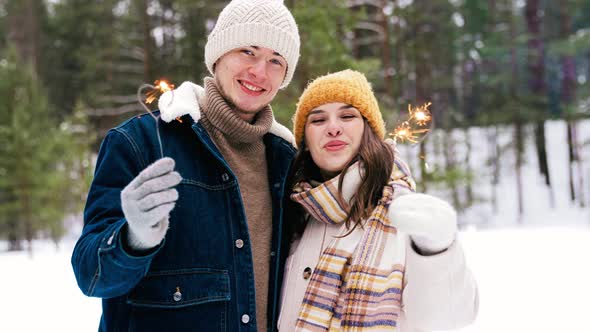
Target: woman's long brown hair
377,159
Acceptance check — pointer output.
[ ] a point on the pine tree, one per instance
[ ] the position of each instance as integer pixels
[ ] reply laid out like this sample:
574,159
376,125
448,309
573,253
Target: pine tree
325,28
37,185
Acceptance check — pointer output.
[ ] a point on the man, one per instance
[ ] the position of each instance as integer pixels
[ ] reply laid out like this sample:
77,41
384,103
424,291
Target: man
192,241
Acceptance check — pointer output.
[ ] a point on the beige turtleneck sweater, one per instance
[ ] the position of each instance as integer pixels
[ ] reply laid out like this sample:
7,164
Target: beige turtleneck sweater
241,145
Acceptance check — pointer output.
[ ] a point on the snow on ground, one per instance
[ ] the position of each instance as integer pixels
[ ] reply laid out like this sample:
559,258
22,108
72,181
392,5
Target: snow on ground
532,271
41,294
530,279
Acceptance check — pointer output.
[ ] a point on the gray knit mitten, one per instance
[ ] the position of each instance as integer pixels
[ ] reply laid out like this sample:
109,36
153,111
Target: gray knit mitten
147,202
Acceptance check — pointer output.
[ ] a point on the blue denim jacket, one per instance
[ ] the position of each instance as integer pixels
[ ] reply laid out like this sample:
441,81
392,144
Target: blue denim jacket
197,279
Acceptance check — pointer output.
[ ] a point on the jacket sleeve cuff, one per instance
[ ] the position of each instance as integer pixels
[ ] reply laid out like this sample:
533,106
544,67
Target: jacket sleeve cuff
115,247
451,257
118,270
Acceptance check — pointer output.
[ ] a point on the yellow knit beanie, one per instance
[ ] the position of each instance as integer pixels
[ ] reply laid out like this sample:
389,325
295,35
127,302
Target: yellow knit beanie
347,86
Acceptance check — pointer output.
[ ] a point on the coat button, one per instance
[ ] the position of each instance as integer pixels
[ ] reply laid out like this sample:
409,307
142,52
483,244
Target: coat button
110,240
225,177
239,243
307,273
177,295
245,319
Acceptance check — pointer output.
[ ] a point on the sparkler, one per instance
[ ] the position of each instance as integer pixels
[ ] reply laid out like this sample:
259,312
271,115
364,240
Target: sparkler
413,129
420,114
160,87
154,93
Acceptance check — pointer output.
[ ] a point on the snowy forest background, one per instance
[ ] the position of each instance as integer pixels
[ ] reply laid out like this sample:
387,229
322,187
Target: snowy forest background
508,82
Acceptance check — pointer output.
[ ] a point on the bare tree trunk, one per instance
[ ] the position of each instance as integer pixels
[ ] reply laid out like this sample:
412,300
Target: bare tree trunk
23,30
13,238
386,51
580,165
571,161
12,222
450,154
147,41
518,139
535,46
540,143
450,163
495,164
423,81
466,161
493,134
575,166
536,49
466,96
104,123
568,92
397,33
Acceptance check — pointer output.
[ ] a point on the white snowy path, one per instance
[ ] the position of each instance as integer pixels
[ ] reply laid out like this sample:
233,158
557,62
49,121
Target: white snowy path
530,279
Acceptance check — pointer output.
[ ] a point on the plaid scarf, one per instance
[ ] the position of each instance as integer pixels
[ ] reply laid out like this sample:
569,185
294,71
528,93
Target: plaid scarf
357,284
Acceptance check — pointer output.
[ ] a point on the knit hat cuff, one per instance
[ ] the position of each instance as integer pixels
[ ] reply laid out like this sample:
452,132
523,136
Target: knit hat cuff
254,34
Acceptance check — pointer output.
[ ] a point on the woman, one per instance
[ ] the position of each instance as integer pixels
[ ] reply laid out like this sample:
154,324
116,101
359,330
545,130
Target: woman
367,252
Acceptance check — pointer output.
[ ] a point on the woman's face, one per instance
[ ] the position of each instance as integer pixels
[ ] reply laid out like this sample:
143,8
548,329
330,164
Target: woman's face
333,134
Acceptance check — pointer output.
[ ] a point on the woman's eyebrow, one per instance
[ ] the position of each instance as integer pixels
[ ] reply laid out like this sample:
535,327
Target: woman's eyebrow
316,111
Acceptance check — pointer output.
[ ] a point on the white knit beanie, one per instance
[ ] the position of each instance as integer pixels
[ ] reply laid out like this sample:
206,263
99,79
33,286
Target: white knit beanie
264,23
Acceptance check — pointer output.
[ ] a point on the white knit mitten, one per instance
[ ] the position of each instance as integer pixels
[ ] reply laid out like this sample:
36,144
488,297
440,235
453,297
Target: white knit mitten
183,100
147,201
430,221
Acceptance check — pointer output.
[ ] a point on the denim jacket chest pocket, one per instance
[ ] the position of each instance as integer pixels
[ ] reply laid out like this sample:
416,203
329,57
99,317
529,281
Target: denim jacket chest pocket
181,288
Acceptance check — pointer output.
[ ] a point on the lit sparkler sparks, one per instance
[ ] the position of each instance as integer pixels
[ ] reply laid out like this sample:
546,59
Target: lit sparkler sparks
405,132
413,129
420,114
159,88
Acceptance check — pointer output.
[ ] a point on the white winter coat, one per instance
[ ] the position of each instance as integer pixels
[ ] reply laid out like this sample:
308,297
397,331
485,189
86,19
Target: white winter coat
439,291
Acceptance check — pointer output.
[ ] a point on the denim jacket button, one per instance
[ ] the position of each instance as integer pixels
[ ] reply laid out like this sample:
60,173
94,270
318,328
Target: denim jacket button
245,319
177,296
225,177
110,240
239,243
